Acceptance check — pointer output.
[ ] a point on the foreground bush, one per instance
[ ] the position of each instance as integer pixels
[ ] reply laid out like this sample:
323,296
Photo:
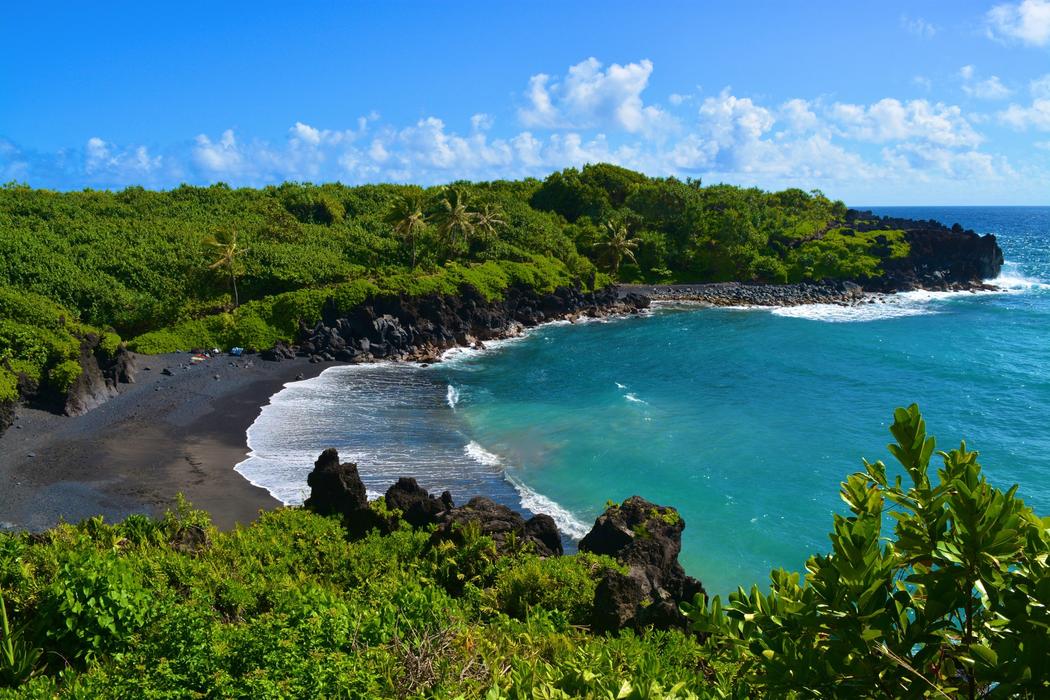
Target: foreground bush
954,606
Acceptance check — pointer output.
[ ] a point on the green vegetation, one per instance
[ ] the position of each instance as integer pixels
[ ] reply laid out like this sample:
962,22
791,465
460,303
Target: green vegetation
215,266
953,604
957,604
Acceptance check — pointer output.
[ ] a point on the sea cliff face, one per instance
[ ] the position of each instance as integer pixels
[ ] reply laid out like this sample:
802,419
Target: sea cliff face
940,258
421,328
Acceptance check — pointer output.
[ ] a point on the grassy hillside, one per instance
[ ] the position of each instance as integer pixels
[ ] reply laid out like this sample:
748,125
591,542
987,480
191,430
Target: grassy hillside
215,266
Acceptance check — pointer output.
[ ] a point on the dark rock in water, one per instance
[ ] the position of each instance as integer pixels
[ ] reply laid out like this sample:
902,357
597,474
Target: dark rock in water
646,538
939,257
166,372
506,527
417,506
420,328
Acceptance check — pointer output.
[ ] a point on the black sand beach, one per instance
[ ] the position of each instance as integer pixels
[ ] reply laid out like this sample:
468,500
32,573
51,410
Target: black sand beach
161,436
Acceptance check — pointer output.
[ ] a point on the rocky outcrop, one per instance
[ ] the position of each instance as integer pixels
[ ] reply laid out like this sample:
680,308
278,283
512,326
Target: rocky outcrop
643,537
418,508
646,539
941,258
336,489
421,328
508,530
99,376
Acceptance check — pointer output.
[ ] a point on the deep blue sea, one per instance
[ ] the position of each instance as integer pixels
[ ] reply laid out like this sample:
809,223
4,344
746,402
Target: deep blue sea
746,420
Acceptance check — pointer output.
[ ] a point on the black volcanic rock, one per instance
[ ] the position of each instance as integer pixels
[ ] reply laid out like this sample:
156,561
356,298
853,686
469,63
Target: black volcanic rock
647,539
939,258
335,488
541,528
91,388
417,506
506,527
280,351
420,328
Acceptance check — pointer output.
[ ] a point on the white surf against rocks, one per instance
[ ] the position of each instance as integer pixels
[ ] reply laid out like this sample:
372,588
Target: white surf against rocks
531,500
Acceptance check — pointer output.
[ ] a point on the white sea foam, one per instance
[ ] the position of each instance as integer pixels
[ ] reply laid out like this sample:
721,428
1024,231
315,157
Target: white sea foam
916,303
538,503
1011,279
452,396
480,455
632,398
884,308
530,499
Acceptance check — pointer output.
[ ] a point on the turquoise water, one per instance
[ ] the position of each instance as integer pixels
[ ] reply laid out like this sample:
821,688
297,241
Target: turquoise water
744,419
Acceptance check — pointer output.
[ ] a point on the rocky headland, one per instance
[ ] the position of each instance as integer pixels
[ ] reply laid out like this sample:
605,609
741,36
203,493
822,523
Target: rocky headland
420,329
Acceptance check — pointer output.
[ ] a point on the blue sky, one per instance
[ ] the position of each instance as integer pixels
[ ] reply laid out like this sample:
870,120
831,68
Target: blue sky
874,103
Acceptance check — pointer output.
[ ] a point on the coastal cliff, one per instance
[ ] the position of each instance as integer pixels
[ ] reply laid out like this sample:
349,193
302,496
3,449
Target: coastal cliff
421,328
940,257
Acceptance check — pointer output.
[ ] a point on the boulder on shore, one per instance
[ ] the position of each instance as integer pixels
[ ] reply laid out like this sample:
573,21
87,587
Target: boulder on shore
508,530
336,489
646,538
418,508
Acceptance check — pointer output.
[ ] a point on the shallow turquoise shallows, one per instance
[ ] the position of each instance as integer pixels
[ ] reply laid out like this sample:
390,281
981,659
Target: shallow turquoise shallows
744,419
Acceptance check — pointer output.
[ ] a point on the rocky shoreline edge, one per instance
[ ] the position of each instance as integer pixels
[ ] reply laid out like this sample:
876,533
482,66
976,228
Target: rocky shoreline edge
643,538
840,293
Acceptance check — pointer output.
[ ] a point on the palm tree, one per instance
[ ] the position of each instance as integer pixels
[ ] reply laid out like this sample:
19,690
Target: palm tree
489,220
617,245
229,251
455,221
407,217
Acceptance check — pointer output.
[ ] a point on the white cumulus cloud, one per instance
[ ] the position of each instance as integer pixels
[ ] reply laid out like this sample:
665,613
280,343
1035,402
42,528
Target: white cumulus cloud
1035,116
590,95
890,119
1027,22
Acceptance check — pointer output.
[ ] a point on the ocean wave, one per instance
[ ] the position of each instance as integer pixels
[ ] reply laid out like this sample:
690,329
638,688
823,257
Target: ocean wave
531,500
882,309
452,396
1012,279
480,455
634,399
536,502
916,303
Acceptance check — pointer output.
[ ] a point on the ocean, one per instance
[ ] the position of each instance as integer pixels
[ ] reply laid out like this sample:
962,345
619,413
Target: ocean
744,419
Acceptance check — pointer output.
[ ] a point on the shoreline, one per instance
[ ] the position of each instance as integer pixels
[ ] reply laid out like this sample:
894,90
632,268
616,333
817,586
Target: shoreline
186,433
